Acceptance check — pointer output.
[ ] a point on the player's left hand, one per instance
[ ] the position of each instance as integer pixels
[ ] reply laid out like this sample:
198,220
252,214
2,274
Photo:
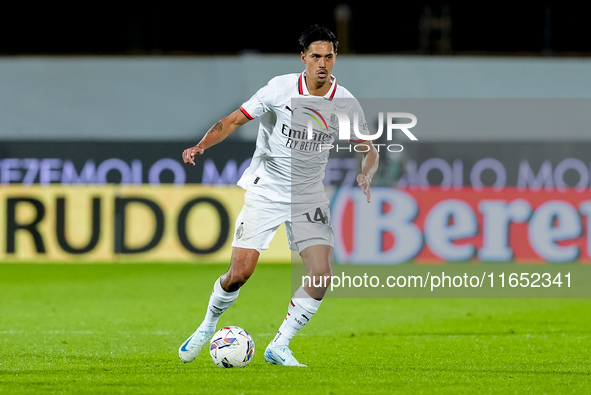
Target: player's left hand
364,182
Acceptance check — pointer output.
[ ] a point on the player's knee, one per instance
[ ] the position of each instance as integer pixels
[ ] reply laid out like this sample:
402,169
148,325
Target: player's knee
319,280
242,266
318,284
240,277
236,278
323,274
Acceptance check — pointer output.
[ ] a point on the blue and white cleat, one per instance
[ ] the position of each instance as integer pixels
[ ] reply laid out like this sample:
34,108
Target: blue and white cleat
281,355
193,345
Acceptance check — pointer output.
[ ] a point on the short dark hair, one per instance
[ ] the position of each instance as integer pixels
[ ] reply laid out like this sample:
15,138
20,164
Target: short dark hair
317,33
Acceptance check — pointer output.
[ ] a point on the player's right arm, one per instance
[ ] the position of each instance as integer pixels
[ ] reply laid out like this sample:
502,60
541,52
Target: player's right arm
216,134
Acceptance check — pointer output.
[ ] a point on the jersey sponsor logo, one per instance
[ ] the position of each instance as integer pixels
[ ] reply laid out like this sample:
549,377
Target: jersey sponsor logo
297,139
318,115
309,130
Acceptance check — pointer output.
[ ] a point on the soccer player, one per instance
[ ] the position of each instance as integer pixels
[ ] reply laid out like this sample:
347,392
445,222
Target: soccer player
284,184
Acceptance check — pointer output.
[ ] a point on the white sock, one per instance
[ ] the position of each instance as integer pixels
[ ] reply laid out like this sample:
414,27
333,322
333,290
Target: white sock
219,301
300,310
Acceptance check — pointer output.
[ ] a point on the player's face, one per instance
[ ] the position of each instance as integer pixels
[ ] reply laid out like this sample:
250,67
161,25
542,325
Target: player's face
319,59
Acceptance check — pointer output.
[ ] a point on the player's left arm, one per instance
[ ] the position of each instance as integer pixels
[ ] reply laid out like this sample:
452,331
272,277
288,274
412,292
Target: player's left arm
369,165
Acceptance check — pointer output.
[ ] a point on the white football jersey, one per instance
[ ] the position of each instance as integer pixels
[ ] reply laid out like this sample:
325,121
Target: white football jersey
287,164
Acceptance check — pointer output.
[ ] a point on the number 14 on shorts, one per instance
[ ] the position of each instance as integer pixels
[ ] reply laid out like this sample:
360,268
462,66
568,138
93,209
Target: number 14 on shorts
318,216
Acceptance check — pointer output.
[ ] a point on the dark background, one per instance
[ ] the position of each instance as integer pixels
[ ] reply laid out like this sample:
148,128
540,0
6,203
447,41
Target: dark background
414,28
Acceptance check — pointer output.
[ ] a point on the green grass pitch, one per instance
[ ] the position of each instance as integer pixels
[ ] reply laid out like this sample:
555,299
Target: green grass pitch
117,328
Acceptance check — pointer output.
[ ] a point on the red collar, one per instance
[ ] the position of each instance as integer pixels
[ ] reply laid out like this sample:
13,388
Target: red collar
303,89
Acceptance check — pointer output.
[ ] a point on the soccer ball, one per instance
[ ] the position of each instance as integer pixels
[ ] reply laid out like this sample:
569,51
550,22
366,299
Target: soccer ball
231,347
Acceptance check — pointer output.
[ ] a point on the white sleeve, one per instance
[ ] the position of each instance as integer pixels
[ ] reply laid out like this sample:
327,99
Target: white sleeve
358,121
261,102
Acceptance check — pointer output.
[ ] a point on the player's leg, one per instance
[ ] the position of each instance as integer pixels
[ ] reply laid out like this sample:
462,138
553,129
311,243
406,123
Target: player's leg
227,287
306,300
318,264
225,291
242,265
255,227
314,241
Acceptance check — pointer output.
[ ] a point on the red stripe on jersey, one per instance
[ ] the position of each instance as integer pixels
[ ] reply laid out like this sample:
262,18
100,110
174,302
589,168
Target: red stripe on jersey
300,86
333,91
246,114
291,302
320,115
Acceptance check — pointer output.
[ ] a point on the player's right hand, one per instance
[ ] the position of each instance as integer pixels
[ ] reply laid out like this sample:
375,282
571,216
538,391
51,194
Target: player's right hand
190,153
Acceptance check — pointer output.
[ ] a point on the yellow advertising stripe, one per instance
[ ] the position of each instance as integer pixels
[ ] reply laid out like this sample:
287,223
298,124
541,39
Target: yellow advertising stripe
123,224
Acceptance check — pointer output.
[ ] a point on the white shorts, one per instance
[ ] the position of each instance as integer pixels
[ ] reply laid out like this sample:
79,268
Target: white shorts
306,225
